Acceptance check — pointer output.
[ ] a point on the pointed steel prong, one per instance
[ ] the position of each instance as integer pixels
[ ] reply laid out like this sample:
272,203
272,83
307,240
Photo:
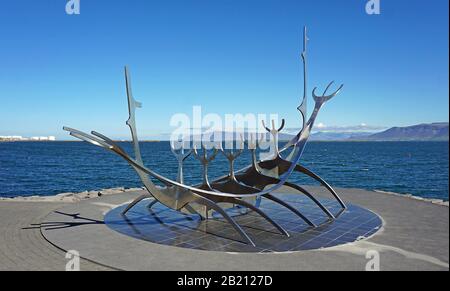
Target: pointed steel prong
315,96
69,129
283,123
261,140
214,155
219,146
182,154
252,142
204,156
187,154
242,144
233,155
107,139
173,149
327,88
264,125
240,151
195,151
237,154
329,97
338,90
226,154
324,98
88,138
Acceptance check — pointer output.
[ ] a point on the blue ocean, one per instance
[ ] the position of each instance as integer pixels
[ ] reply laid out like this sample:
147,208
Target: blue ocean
41,168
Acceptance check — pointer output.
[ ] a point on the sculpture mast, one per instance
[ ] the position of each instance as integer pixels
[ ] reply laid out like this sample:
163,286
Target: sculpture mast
131,122
303,108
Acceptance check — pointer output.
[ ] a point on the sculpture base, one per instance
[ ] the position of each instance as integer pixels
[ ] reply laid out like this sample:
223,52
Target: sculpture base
167,227
404,239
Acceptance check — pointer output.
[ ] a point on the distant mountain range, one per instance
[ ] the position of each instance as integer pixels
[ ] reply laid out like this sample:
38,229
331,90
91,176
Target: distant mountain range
338,136
421,132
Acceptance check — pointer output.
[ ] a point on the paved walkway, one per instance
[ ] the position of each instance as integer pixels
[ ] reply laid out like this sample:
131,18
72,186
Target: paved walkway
22,246
415,237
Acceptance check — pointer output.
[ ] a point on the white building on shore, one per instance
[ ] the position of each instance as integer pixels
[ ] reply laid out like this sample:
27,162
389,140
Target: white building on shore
43,138
20,138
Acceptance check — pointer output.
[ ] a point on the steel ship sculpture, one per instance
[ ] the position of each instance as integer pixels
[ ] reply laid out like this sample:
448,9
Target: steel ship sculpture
260,180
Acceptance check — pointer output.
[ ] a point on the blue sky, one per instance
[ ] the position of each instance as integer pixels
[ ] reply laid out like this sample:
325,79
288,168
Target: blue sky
229,56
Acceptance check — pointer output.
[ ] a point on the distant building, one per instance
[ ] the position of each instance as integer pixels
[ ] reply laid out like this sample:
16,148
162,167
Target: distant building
11,138
20,138
43,138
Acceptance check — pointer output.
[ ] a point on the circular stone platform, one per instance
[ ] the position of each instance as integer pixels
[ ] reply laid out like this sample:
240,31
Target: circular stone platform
161,225
403,241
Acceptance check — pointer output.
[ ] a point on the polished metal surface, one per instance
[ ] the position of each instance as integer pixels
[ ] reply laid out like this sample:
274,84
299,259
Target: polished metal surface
259,180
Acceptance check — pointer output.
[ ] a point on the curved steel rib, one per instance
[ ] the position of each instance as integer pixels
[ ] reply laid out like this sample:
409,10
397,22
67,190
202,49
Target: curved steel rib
256,179
112,145
290,207
262,214
314,199
324,183
210,204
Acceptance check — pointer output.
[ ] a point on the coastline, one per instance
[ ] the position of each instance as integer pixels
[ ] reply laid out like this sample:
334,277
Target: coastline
77,197
418,198
71,197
